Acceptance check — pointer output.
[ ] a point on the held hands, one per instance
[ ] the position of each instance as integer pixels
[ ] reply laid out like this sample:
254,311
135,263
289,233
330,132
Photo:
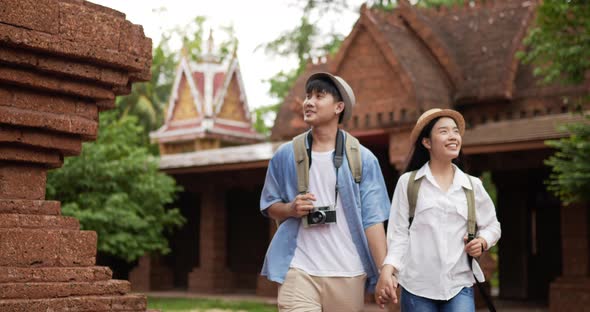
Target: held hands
476,247
386,288
302,204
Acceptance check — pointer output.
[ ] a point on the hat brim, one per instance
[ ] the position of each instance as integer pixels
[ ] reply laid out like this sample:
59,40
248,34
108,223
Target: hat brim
344,92
455,115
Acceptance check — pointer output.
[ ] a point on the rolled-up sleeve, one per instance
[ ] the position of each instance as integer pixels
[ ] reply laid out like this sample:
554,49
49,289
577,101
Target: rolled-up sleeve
271,192
374,198
487,222
397,230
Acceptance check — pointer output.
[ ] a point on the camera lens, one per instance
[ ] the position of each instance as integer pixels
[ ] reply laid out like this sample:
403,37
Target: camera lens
318,217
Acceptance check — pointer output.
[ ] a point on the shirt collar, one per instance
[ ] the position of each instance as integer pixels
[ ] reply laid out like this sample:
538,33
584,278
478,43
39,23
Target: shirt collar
460,178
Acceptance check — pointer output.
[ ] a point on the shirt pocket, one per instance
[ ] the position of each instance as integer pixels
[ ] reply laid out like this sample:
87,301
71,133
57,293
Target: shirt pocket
426,213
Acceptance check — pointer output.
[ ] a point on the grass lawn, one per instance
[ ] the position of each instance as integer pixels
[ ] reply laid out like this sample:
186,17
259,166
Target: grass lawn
204,305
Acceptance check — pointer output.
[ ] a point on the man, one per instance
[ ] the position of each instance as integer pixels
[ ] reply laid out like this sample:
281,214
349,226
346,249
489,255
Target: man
325,265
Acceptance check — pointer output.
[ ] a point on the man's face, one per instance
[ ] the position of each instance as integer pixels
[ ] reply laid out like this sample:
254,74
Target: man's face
320,108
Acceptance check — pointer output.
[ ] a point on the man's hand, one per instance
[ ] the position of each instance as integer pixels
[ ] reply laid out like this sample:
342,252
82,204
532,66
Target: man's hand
475,247
302,204
386,288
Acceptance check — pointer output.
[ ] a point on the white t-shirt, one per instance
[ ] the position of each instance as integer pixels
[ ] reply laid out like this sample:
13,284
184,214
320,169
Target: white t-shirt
327,249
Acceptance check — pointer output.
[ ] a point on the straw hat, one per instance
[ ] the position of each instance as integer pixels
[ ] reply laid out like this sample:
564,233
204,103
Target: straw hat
344,89
433,113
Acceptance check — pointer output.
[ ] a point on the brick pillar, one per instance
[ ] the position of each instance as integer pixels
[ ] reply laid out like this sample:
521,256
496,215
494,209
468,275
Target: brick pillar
140,276
61,62
264,287
212,275
571,291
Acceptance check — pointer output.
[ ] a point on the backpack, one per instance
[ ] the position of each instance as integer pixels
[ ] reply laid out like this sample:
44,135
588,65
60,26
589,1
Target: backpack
303,157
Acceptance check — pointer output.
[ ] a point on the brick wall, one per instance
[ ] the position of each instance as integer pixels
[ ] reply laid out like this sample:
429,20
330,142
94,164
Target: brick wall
60,63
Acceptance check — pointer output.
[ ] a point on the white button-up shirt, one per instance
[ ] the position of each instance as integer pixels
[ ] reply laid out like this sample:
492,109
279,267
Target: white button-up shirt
429,256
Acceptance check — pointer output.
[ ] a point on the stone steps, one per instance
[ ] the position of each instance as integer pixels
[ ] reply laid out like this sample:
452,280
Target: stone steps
47,248
62,290
127,303
29,221
54,275
27,206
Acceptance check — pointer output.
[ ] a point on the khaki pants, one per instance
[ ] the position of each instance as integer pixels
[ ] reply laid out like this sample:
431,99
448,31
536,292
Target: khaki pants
304,293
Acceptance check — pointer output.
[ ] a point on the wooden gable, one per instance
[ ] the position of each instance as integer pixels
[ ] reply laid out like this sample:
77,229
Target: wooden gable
232,106
185,107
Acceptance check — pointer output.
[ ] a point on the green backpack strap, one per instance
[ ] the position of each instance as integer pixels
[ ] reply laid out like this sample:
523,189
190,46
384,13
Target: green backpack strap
301,162
413,188
353,154
471,218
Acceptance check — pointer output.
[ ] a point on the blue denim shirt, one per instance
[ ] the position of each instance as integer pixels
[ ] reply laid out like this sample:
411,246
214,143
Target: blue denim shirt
364,204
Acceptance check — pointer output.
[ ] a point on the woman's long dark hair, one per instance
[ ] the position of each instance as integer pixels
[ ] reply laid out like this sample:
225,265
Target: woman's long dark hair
419,155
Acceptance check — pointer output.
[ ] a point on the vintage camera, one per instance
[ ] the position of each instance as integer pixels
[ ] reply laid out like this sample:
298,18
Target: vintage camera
320,215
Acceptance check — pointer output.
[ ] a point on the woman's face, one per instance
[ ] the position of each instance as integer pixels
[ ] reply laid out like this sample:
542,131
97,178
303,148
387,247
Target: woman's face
445,140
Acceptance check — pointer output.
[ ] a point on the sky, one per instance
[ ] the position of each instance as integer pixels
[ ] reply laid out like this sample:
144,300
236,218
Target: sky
255,23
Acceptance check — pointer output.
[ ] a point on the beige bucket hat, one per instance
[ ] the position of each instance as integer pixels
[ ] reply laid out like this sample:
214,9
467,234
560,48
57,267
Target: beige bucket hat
433,113
344,89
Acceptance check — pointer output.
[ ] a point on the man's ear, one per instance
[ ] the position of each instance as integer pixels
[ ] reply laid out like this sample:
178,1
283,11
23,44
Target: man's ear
339,107
426,142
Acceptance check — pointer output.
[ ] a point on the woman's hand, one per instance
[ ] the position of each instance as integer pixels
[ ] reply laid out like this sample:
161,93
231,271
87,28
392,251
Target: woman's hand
475,247
385,291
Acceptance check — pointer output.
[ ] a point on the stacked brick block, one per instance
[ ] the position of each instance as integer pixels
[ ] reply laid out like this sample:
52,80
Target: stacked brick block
61,63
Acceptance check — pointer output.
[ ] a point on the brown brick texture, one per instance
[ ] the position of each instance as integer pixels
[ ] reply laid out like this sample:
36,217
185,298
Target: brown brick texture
61,62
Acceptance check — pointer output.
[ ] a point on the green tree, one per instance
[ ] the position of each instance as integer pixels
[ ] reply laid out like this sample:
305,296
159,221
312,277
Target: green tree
114,188
570,165
559,47
147,99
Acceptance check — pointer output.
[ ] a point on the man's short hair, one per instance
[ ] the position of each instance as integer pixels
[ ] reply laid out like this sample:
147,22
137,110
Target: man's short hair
320,85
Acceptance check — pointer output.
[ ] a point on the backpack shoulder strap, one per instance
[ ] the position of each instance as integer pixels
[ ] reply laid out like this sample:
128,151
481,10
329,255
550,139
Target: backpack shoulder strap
471,218
301,162
353,154
413,188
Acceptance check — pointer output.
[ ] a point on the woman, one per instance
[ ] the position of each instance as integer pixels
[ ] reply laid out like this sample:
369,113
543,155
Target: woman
428,254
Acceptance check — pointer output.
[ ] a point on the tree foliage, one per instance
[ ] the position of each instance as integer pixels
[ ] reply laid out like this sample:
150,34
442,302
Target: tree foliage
560,42
570,176
559,47
114,188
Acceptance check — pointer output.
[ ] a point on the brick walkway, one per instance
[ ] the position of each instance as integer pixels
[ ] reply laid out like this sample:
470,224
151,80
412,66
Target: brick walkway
504,306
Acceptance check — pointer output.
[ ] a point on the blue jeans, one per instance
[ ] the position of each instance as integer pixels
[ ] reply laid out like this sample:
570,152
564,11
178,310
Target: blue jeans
462,302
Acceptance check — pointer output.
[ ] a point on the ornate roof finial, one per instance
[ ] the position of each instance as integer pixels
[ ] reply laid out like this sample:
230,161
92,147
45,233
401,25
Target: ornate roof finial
184,50
210,42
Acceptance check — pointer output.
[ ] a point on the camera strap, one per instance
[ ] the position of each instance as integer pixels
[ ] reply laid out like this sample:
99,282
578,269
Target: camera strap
338,155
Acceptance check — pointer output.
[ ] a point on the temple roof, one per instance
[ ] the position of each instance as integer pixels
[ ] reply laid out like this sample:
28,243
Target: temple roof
200,94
